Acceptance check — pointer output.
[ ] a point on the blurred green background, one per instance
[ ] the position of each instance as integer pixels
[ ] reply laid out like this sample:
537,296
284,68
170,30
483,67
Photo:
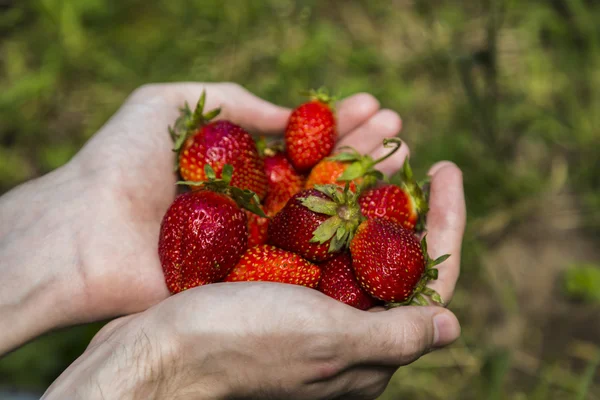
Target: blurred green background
509,90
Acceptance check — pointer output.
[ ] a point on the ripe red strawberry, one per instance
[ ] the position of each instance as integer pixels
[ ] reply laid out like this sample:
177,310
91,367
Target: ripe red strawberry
204,233
311,131
350,167
199,141
403,203
257,229
339,282
316,223
283,180
268,263
391,264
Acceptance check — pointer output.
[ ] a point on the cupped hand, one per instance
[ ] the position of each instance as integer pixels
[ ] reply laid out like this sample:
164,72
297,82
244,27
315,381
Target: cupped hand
126,181
254,340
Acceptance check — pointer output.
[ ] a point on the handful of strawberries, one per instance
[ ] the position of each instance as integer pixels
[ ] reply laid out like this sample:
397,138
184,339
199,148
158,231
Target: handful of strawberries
294,212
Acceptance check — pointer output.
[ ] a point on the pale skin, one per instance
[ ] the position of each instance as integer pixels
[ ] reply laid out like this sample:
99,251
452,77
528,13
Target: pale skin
79,245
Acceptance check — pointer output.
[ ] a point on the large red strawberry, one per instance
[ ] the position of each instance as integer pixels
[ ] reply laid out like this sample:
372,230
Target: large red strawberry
199,141
204,233
403,202
268,263
311,132
350,166
283,180
316,223
391,264
339,282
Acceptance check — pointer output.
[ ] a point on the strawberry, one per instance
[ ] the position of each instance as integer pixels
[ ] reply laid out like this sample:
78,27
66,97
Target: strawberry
350,166
316,223
199,141
283,180
403,203
268,263
311,132
391,264
257,229
204,233
339,282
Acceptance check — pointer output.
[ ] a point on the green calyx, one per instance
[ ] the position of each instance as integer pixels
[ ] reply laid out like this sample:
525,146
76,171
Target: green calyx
404,178
244,198
344,211
430,273
363,166
188,122
321,95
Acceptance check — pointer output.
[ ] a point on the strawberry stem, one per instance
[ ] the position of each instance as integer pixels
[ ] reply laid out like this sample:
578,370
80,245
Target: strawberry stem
389,142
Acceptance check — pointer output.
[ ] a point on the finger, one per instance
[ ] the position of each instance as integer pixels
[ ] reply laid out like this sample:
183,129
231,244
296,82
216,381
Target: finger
237,104
401,335
446,224
369,136
354,111
393,163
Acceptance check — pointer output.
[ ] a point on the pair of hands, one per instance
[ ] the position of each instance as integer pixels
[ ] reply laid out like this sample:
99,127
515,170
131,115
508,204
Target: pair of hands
97,221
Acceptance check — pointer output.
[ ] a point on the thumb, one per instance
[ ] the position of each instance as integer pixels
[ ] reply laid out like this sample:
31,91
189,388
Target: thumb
401,335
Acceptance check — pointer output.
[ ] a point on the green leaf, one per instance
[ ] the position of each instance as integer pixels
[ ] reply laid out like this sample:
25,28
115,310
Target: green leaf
439,260
227,173
346,157
326,230
209,172
319,205
352,172
190,183
424,246
432,273
212,114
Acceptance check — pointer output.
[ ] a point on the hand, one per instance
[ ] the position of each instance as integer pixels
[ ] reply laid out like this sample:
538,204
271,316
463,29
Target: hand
253,340
265,340
79,244
132,167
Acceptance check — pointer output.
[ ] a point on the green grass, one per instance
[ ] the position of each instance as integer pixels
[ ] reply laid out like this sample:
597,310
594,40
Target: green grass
508,90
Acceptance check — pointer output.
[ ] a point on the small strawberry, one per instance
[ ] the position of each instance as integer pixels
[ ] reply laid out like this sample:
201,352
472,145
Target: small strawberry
316,223
339,282
311,132
350,167
392,265
204,233
268,263
283,180
199,141
257,229
403,203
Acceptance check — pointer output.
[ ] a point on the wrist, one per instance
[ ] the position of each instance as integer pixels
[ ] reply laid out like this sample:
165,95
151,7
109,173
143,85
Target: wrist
130,360
37,251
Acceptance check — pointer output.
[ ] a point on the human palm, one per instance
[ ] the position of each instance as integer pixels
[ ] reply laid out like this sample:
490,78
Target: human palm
130,183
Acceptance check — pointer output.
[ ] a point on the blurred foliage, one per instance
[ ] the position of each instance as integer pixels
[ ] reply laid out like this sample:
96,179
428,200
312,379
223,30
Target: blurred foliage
508,90
582,282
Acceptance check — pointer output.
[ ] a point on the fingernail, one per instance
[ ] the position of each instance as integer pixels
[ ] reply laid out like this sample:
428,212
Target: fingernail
446,329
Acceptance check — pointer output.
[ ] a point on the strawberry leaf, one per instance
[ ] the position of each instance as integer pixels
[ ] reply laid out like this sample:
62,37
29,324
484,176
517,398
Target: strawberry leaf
226,173
439,260
354,155
352,172
319,205
209,172
326,230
